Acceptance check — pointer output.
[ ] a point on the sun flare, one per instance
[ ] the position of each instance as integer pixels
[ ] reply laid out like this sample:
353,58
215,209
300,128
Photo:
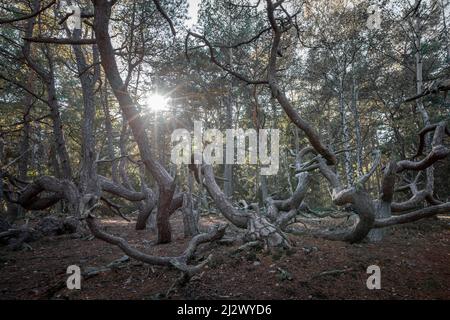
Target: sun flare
156,102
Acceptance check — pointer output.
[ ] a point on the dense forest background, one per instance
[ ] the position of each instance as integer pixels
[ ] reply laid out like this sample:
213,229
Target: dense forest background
88,109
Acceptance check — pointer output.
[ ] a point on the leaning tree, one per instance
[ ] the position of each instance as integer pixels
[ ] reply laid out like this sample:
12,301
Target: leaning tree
102,62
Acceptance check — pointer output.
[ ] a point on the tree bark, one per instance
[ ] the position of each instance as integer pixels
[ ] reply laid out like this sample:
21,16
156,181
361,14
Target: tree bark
345,134
101,21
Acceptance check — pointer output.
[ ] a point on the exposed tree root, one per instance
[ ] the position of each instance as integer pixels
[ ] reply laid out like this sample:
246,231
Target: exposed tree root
179,262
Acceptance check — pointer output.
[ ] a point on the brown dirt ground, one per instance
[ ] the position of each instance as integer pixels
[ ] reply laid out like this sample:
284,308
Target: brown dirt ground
414,261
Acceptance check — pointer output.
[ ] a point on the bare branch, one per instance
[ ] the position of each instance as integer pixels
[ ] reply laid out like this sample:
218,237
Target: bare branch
219,64
60,41
372,170
29,16
413,216
164,14
180,262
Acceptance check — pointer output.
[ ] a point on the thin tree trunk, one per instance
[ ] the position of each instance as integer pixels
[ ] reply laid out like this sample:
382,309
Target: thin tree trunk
110,135
166,186
88,171
25,141
24,151
355,111
60,142
419,90
444,6
190,217
228,170
345,134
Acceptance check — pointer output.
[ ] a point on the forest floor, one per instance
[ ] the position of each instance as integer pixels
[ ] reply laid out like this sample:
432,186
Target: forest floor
414,261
